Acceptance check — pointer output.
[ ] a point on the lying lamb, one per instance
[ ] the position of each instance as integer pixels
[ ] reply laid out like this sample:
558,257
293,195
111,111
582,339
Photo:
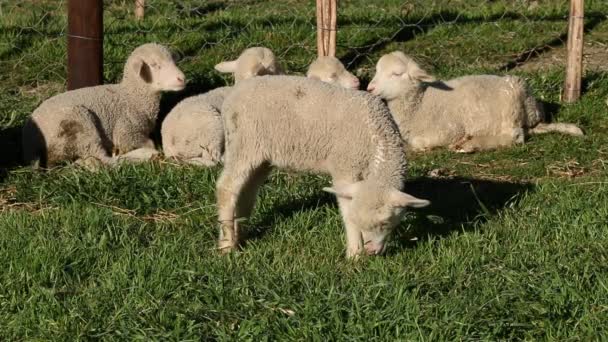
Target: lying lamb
469,113
313,126
329,69
102,120
193,131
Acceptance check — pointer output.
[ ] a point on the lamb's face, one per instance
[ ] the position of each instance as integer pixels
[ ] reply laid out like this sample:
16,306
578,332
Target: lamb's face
330,70
375,211
256,61
396,74
156,67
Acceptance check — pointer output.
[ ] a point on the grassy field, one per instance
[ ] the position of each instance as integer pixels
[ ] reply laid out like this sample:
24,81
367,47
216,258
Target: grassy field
514,246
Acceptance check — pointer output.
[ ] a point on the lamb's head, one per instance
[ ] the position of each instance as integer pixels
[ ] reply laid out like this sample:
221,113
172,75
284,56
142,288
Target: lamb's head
397,74
153,66
255,61
329,69
374,210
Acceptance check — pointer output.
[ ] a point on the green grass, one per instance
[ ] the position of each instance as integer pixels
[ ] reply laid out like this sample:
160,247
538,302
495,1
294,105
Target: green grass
515,245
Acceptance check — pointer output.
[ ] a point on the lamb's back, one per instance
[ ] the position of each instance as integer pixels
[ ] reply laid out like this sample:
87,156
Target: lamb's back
106,102
471,101
299,122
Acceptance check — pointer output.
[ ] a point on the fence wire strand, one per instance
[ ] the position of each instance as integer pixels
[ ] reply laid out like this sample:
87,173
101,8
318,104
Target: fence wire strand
445,35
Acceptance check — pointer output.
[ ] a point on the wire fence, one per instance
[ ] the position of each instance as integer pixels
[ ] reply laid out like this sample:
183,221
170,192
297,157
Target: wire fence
448,36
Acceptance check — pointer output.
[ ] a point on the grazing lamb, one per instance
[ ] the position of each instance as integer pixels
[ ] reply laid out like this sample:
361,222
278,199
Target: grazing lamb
193,131
313,126
468,114
329,69
104,120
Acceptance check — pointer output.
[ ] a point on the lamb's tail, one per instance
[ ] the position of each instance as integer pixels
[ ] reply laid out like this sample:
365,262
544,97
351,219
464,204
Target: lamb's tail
566,128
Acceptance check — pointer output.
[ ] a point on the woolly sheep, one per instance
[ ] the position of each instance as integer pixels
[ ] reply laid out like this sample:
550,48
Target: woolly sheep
193,131
467,114
329,69
313,126
102,120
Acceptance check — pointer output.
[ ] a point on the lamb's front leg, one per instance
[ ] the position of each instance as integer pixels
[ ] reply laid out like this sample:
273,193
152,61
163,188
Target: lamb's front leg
236,190
469,144
139,155
132,142
354,243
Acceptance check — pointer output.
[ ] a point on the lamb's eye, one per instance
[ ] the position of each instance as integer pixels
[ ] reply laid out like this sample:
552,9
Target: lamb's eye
333,76
397,74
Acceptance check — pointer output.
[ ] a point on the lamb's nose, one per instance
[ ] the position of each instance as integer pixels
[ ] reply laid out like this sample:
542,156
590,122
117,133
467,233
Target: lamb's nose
181,79
371,88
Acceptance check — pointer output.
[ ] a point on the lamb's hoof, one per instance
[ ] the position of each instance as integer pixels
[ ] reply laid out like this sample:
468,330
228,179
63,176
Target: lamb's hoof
464,150
461,145
226,247
201,162
353,255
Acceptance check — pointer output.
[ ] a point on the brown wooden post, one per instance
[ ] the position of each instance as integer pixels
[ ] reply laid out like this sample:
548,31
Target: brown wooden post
320,32
332,27
85,43
140,9
574,66
326,27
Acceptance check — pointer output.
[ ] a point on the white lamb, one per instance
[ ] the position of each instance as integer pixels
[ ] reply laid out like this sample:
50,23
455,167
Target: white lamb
194,132
104,120
469,113
330,70
313,126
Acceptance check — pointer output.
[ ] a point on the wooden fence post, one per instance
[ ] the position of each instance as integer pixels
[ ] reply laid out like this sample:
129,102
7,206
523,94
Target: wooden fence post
326,27
140,9
574,64
85,43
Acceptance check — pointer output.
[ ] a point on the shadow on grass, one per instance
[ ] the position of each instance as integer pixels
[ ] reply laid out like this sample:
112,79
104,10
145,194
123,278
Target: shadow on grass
594,19
10,140
409,31
457,204
285,210
202,10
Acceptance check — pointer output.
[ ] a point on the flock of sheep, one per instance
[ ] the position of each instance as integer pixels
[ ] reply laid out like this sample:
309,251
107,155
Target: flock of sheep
319,123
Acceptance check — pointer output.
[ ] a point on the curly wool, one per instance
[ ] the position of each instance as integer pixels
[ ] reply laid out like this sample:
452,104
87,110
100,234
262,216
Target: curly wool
102,120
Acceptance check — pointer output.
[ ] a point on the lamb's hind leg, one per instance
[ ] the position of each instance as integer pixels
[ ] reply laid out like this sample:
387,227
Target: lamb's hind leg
469,144
236,191
81,139
566,128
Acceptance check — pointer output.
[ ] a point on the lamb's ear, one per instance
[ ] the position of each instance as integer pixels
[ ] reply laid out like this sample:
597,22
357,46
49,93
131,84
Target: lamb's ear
144,71
403,200
419,74
346,191
226,67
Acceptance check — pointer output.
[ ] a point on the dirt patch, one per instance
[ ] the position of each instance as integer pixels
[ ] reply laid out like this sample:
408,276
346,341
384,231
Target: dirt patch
595,58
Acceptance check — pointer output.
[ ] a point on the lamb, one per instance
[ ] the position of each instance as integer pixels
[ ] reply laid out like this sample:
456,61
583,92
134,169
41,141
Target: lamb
193,131
314,126
329,69
468,114
104,120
